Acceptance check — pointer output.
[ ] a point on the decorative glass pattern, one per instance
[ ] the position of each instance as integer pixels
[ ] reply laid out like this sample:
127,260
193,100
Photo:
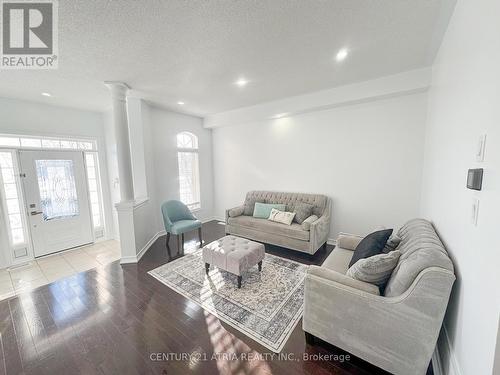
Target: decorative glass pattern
187,140
95,203
39,142
189,174
56,182
11,198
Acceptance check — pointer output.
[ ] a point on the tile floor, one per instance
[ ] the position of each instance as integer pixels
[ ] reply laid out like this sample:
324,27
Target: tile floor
53,267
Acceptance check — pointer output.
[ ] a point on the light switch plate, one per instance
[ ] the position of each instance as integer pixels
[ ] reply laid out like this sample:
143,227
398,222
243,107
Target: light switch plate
474,210
481,144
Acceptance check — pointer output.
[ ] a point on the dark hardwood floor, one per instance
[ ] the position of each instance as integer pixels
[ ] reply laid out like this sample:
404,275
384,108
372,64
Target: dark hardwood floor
119,320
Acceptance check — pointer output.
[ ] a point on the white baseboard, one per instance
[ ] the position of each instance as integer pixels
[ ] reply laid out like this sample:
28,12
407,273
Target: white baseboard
140,254
447,350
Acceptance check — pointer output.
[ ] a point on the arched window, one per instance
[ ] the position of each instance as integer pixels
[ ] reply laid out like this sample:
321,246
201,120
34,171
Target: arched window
189,171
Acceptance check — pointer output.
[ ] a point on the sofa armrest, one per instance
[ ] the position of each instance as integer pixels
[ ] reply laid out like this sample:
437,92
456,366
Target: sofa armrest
348,241
320,229
337,277
235,211
398,333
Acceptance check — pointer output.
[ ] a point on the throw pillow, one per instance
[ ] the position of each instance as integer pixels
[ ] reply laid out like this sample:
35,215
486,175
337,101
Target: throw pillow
392,243
376,269
237,211
263,210
306,224
249,205
281,216
302,211
371,245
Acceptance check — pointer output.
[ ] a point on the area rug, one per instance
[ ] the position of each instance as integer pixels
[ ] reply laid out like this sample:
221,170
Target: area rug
266,308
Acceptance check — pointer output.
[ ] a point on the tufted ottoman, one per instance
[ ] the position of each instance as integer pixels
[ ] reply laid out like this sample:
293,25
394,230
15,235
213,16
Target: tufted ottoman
233,254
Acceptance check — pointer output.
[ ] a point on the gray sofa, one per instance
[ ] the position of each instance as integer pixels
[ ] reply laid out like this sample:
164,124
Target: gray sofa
396,331
296,236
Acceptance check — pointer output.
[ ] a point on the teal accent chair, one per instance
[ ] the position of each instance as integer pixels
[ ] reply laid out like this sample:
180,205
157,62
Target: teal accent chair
178,220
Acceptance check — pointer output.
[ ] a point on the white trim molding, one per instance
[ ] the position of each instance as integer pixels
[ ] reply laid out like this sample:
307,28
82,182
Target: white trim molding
140,254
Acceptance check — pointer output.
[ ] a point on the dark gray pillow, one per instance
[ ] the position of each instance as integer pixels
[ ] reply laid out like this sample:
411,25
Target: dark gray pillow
249,205
371,245
302,211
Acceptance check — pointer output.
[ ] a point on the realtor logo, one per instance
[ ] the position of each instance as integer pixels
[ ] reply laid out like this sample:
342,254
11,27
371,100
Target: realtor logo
29,34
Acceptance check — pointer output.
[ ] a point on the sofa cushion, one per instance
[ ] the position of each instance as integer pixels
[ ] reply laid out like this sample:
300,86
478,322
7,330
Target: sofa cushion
420,248
337,277
372,244
392,243
319,201
263,210
306,224
249,205
293,231
236,211
376,269
302,211
338,260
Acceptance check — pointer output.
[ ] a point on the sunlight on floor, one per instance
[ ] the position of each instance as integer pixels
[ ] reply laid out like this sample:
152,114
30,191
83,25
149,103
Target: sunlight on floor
48,269
225,343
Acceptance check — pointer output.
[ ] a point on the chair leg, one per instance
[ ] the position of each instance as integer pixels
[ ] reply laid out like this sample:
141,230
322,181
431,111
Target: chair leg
179,250
260,266
199,235
182,235
168,239
239,282
207,267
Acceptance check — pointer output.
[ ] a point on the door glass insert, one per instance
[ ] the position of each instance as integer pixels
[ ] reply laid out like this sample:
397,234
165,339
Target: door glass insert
56,181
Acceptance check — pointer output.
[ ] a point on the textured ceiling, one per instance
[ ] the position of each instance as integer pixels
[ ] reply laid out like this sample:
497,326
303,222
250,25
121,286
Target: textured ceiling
193,50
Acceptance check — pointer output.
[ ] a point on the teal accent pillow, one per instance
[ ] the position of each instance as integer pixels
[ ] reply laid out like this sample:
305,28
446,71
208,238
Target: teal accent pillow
263,210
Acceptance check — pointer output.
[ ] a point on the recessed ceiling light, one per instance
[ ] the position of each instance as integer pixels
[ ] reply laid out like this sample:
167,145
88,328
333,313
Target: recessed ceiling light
241,82
46,94
180,103
341,54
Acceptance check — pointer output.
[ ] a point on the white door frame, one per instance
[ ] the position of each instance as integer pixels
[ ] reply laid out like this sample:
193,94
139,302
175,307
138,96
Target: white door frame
24,198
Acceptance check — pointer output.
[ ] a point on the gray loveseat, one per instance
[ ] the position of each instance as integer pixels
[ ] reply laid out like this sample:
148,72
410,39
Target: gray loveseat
397,331
295,236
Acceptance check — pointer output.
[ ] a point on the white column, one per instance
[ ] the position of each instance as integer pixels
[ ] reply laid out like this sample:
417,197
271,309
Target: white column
118,97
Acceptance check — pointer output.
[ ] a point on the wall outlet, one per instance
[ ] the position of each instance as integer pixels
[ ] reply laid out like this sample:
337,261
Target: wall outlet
481,144
474,210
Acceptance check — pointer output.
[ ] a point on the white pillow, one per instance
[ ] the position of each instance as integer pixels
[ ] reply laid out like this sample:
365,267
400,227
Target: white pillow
281,216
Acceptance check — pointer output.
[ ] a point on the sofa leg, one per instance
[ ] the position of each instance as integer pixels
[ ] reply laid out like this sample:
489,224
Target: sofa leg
310,339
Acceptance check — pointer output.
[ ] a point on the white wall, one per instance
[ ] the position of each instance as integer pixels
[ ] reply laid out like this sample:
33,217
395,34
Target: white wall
164,127
463,103
366,157
30,118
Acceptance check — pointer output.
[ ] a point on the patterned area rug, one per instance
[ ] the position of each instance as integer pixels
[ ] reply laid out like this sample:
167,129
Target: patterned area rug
266,308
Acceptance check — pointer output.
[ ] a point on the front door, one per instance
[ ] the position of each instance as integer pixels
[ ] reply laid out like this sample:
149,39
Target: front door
57,200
